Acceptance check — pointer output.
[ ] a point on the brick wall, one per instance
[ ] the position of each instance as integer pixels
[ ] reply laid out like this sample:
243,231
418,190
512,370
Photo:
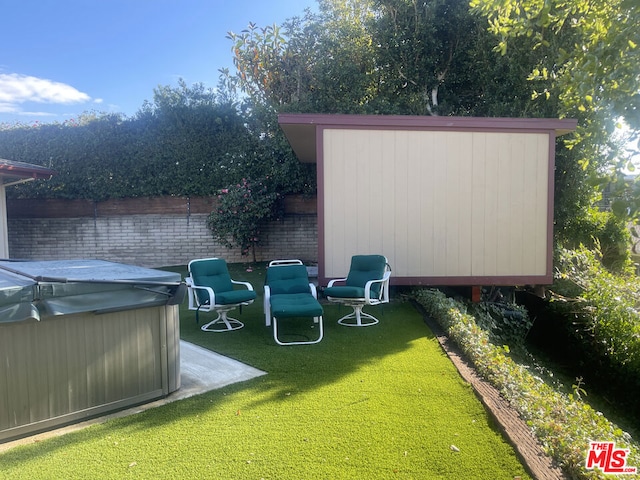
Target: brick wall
49,231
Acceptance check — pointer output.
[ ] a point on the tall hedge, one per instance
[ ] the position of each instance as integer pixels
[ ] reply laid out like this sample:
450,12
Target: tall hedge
193,152
185,143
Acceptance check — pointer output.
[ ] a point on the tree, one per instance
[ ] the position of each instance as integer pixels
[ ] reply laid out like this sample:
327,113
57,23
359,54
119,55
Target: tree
589,66
317,63
387,57
241,212
420,47
196,140
361,56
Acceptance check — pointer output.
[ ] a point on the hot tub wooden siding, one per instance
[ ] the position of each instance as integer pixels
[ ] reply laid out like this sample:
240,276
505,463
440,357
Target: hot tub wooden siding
448,200
67,368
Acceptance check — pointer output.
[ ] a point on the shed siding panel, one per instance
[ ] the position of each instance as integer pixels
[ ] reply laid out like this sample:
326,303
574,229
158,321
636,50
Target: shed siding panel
482,259
537,175
455,203
502,152
425,184
377,179
403,207
389,172
439,170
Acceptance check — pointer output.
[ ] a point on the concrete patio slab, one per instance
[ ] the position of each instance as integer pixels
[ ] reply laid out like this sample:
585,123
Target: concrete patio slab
202,370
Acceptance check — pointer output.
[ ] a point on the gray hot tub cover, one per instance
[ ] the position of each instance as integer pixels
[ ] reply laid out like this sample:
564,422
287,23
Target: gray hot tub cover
16,295
35,289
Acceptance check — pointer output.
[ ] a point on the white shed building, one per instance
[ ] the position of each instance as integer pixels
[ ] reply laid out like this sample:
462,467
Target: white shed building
448,200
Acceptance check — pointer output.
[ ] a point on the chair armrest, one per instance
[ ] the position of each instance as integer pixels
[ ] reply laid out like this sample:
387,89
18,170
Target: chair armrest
384,289
331,282
314,291
191,294
209,290
246,284
267,305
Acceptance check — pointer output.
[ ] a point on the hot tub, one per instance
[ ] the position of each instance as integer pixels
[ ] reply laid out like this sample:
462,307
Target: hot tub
81,338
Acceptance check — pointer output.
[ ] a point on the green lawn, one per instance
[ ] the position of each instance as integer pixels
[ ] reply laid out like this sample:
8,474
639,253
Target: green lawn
377,402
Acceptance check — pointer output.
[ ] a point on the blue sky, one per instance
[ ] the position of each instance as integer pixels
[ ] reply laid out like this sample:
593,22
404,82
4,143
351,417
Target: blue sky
59,58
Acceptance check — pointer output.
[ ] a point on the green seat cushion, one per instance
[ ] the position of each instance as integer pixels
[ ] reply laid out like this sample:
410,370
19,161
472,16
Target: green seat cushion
347,292
235,296
295,305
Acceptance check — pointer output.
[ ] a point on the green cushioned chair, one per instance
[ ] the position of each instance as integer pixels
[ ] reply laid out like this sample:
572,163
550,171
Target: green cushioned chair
366,284
210,288
289,294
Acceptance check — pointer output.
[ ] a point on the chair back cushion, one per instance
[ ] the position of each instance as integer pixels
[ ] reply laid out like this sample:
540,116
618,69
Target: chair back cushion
365,268
210,273
286,279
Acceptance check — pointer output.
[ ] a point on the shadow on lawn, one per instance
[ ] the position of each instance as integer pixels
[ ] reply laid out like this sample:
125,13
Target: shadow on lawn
291,370
300,368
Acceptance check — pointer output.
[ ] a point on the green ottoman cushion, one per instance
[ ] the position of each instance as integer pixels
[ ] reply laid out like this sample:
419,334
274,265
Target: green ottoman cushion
295,305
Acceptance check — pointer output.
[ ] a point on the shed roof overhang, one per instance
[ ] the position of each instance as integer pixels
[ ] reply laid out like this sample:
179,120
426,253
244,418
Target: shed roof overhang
12,172
301,129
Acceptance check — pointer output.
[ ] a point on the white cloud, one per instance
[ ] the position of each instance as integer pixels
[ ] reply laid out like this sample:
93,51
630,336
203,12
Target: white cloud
16,89
38,114
7,108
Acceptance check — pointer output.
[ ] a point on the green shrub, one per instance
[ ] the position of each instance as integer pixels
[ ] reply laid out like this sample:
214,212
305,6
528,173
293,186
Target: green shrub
505,323
602,312
563,423
242,210
604,231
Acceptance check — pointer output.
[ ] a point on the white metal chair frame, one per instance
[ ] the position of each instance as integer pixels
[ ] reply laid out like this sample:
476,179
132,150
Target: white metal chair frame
363,319
267,307
216,325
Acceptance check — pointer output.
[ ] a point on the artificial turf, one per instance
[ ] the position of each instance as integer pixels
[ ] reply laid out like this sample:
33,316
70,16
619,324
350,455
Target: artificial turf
376,402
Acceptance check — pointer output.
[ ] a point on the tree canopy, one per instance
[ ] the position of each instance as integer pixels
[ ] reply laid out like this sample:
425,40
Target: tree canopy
385,56
564,58
590,63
